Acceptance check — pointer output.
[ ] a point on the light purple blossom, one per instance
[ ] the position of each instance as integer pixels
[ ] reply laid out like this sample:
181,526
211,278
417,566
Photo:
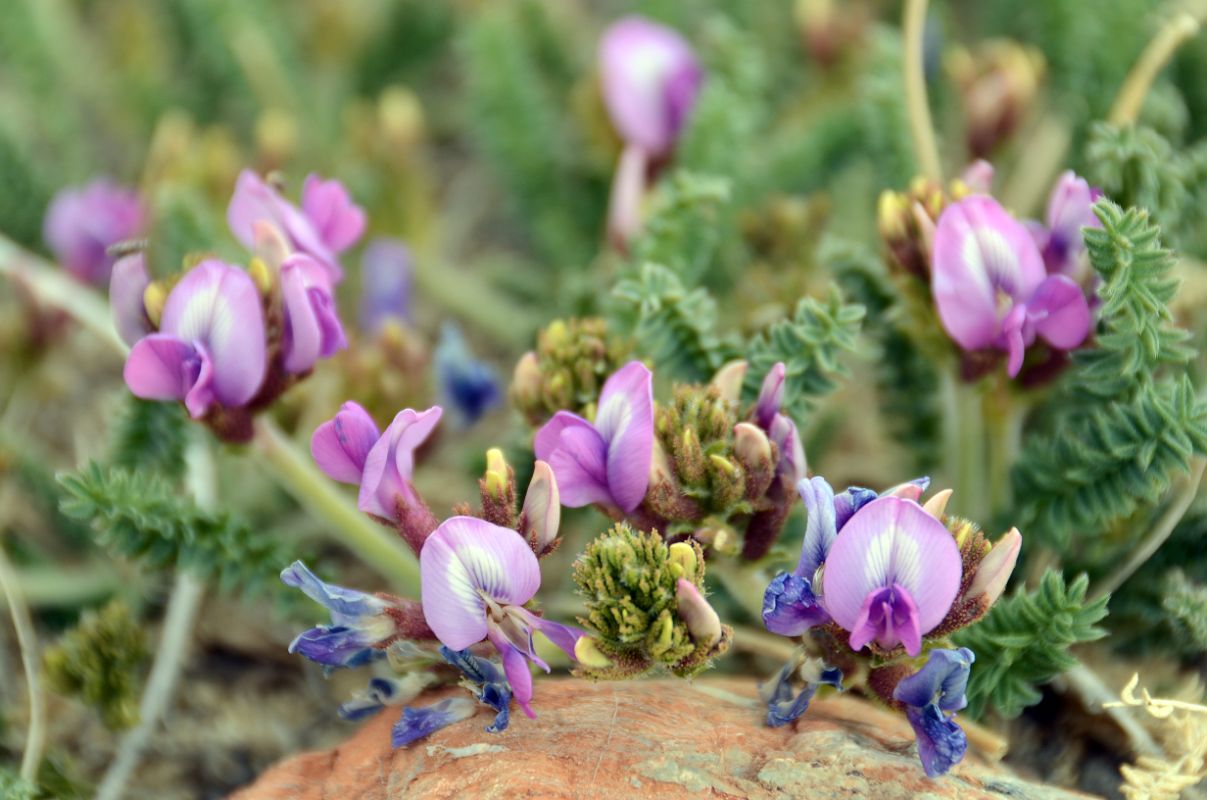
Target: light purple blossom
780,428
1070,208
891,575
931,696
312,326
341,444
991,287
327,224
385,485
607,462
83,222
127,287
385,291
475,578
210,348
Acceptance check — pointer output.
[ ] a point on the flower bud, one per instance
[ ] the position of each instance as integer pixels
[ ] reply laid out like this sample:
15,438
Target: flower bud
690,457
587,653
728,380
542,511
771,396
995,568
498,491
127,287
727,481
496,472
999,83
754,452
526,381
154,298
702,620
937,505
683,555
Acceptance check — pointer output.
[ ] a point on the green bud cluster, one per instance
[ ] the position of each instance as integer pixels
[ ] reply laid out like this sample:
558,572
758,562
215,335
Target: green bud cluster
567,370
628,579
99,661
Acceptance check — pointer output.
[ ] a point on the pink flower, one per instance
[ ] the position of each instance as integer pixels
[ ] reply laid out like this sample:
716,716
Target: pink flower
82,223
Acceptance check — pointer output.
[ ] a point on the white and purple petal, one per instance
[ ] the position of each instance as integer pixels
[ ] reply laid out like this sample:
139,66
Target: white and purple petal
625,421
821,525
163,367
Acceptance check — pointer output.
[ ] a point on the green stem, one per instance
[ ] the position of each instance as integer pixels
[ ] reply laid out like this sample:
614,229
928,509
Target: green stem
374,544
1158,53
27,641
920,125
472,301
964,435
69,587
1003,415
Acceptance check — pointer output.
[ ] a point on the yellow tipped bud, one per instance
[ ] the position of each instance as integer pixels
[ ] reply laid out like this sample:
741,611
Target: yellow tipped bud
261,275
683,555
724,464
587,653
496,472
154,298
937,505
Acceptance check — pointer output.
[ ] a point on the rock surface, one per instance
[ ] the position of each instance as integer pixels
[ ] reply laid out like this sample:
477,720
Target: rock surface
663,739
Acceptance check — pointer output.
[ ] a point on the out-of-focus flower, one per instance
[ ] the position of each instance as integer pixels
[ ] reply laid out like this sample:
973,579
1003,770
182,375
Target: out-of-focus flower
126,289
210,348
991,288
385,292
607,462
999,83
1070,208
82,223
475,579
470,386
928,695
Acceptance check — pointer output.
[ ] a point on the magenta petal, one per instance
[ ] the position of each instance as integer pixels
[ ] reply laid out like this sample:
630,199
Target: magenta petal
580,464
892,541
888,617
1060,313
218,305
389,464
771,396
312,326
341,444
625,420
464,561
162,367
549,437
338,221
980,253
1071,207
127,286
519,676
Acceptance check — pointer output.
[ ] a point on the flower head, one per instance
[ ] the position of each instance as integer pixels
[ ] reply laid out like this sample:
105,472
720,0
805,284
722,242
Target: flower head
891,575
475,579
927,694
992,290
210,348
82,223
608,461
385,292
466,383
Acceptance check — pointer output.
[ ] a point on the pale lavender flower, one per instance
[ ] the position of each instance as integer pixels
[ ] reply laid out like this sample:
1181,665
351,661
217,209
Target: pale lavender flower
312,326
385,486
891,575
607,462
385,292
475,578
127,287
82,223
1070,208
341,445
210,348
929,695
780,429
991,287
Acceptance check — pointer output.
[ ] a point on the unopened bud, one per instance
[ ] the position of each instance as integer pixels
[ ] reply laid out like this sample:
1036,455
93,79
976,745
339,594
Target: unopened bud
690,458
683,556
542,512
701,618
995,568
727,480
496,472
261,276
154,299
660,466
587,653
728,380
526,381
937,505
752,447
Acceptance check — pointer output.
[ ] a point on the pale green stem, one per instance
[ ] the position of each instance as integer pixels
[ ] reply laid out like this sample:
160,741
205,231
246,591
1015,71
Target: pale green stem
68,587
920,125
1003,415
964,435
1178,506
761,643
183,606
27,640
1158,53
378,547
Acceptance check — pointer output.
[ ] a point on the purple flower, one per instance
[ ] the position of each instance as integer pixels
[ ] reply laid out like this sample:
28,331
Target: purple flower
341,445
312,326
782,705
416,723
1070,208
607,462
650,79
475,578
83,222
127,287
327,224
992,290
210,346
891,575
469,385
385,291
360,623
927,694
385,486
779,427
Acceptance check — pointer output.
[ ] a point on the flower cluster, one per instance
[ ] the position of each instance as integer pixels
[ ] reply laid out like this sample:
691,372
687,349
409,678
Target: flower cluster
881,581
228,341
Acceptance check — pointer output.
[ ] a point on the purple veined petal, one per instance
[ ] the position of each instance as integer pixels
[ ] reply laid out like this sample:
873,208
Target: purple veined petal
820,525
941,742
888,617
338,220
625,420
650,79
891,540
1060,313
771,396
312,326
580,464
385,283
162,367
218,305
519,676
789,606
942,681
981,254
346,605
464,561
391,461
416,723
850,500
127,285
792,453
341,444
202,394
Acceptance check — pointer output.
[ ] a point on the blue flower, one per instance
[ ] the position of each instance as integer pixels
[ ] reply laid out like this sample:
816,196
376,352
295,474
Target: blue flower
417,723
782,705
468,385
937,688
489,685
359,622
790,607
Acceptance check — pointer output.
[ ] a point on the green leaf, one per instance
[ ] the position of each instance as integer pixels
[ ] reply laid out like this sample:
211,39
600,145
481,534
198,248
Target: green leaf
151,437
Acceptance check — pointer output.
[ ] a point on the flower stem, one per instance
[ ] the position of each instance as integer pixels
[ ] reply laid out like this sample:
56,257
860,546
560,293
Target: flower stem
1158,53
373,543
1161,531
27,640
965,446
183,606
1004,417
913,30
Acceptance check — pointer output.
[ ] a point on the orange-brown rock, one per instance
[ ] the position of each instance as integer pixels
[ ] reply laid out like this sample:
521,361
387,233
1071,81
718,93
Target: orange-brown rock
663,739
